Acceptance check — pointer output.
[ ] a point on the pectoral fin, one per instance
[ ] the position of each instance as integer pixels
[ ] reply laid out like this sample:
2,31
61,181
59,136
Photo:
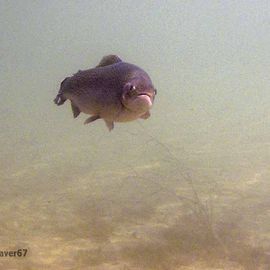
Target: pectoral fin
76,111
109,60
91,119
146,115
109,124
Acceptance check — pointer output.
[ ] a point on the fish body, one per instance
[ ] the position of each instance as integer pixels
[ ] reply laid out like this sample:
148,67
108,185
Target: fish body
114,91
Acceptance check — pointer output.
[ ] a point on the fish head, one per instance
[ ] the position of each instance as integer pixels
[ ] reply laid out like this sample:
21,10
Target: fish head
138,95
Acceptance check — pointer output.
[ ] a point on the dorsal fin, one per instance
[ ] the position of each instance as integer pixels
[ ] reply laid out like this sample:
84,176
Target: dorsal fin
109,60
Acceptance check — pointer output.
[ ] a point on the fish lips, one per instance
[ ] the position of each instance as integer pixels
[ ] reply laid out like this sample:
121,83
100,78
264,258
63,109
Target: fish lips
140,103
145,98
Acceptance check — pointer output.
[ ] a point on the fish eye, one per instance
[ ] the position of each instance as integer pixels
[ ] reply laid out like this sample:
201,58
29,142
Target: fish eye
132,91
155,91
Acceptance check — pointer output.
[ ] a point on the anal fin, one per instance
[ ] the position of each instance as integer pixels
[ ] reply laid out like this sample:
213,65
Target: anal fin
76,111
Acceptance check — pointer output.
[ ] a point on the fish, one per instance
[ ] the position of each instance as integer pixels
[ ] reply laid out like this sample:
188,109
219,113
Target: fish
114,90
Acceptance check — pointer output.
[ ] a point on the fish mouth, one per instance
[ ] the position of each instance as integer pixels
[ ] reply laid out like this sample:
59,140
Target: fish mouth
140,103
146,98
145,94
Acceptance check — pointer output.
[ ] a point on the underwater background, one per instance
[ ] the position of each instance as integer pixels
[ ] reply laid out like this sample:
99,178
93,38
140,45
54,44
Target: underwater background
186,189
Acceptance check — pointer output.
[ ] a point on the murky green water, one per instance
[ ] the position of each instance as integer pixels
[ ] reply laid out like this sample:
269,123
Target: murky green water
186,189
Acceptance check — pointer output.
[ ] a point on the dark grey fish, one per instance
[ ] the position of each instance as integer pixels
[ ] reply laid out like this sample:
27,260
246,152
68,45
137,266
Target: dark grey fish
114,91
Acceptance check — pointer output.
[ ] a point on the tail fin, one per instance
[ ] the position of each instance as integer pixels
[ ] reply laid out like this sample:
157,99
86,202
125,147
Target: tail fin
59,100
